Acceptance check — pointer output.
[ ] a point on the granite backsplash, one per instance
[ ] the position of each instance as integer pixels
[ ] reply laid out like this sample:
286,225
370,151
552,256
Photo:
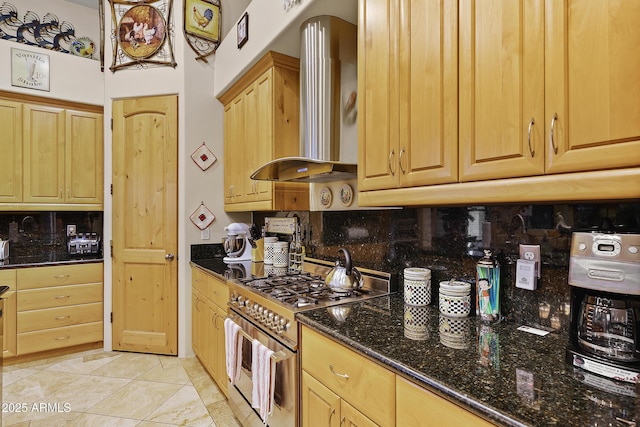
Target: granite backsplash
450,240
31,233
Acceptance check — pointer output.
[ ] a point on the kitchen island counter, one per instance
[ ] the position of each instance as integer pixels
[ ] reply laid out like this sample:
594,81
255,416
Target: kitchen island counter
507,376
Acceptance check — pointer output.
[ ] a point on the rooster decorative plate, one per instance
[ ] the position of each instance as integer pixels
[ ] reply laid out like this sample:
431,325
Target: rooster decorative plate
202,26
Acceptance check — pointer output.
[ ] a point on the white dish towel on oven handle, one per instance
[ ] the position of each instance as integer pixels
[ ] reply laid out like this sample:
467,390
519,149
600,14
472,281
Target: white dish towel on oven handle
233,349
263,371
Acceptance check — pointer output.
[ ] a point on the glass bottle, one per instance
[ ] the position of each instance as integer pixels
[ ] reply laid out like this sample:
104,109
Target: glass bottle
488,288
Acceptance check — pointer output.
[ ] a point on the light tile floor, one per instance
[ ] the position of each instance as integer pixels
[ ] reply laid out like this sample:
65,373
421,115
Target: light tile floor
98,388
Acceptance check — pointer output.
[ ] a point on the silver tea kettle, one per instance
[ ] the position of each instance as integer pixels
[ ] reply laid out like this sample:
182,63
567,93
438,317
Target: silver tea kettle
345,278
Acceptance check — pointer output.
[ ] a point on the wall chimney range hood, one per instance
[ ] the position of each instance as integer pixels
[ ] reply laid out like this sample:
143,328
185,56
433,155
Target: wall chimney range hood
328,106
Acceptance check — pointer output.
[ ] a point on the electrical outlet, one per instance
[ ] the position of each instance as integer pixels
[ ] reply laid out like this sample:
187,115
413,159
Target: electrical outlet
204,234
71,230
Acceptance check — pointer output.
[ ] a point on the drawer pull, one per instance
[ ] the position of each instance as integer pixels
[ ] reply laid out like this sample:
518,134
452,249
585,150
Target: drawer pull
61,276
63,338
62,317
62,296
337,374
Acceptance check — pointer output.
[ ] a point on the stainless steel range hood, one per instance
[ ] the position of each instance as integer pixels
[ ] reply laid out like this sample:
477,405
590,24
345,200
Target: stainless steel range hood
328,107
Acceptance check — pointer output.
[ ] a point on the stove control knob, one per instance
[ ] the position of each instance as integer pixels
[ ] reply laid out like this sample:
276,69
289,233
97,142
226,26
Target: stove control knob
270,318
276,321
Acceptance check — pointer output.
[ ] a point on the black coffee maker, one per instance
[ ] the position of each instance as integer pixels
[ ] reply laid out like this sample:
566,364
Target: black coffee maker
604,274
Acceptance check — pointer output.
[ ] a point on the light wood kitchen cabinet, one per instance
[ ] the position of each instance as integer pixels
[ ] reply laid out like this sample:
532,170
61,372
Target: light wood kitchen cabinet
8,278
320,406
56,157
209,301
367,388
11,148
548,88
408,88
416,406
547,100
592,58
59,306
43,154
261,123
84,157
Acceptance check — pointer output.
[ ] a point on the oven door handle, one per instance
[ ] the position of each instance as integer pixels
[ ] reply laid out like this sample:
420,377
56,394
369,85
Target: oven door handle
277,356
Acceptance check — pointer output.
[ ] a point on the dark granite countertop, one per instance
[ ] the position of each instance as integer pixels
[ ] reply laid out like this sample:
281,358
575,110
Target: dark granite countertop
47,258
507,376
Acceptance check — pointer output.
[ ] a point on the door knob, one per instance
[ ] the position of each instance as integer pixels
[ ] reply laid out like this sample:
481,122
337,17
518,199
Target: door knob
169,257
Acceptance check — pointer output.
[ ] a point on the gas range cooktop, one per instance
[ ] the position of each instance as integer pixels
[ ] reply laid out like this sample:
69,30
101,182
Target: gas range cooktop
273,300
302,290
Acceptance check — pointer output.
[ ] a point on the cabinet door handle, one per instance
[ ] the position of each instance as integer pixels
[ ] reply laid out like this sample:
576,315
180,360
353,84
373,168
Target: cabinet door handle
531,150
553,122
213,320
342,420
61,193
333,411
402,151
68,192
337,374
390,163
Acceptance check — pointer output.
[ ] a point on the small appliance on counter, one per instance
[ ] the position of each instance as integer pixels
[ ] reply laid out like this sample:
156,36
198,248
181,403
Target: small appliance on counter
237,244
604,275
83,244
4,249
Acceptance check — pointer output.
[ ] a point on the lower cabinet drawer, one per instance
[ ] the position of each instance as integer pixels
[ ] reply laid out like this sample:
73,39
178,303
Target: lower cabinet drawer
48,318
365,385
59,296
50,339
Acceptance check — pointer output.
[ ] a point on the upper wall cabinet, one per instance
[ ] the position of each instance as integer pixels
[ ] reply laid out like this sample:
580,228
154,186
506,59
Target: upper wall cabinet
548,87
546,107
261,123
11,147
57,157
408,93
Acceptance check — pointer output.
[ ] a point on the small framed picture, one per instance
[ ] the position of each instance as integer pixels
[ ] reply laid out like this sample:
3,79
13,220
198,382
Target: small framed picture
243,30
29,69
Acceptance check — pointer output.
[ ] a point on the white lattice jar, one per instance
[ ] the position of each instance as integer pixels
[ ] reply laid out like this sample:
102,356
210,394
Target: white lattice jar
455,298
417,286
268,249
281,254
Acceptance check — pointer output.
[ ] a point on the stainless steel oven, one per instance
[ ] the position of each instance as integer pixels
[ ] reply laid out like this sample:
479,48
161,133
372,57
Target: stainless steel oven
264,307
285,405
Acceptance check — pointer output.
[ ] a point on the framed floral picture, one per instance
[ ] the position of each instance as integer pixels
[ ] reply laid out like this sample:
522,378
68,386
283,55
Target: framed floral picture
142,33
202,26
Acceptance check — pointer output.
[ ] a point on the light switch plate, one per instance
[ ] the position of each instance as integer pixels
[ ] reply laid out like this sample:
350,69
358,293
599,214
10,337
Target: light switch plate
204,234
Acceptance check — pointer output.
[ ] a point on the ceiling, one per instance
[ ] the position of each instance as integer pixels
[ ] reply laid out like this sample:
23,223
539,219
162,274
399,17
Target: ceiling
88,3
